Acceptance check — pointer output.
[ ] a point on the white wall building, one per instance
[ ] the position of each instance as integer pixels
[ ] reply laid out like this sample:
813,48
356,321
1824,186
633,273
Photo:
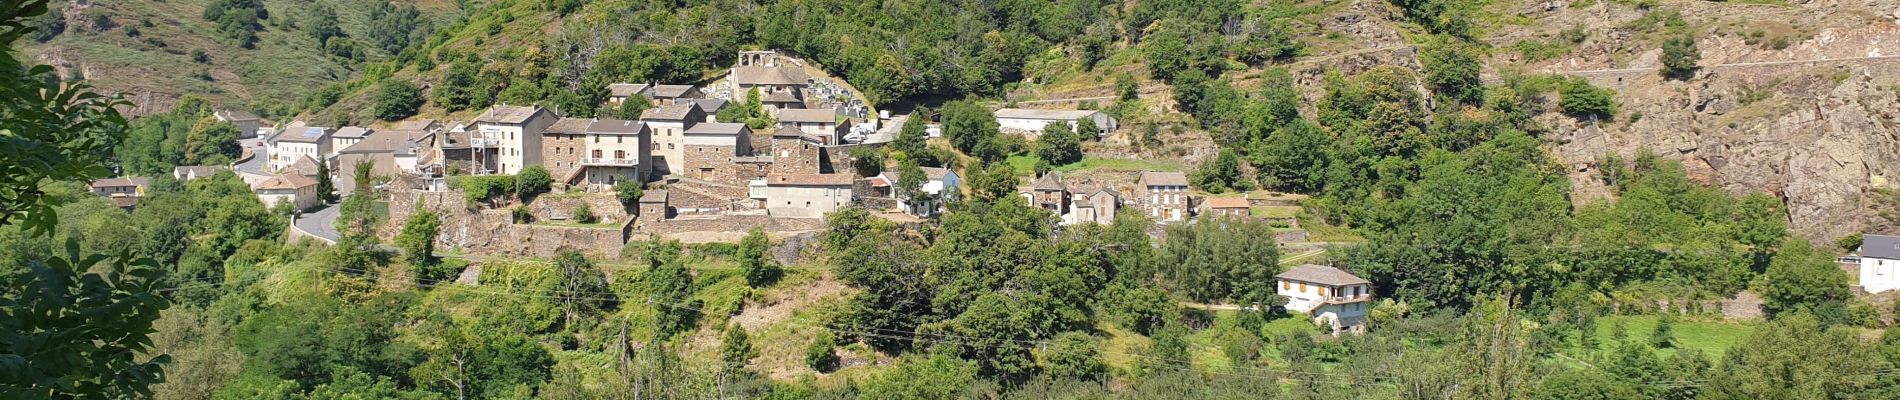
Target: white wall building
1879,263
345,137
617,150
295,142
667,126
1030,122
518,129
1331,297
941,185
300,191
806,195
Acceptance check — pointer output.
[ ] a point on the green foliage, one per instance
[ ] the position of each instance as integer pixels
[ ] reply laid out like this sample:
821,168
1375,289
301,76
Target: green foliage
628,192
417,242
735,350
533,181
211,142
670,286
755,258
920,377
1778,361
394,28
1125,88
397,99
1074,355
320,23
867,161
1058,145
1222,259
326,188
1451,69
1680,55
86,333
819,355
1663,337
1221,174
1291,159
1801,277
584,213
972,129
631,108
1581,99
237,19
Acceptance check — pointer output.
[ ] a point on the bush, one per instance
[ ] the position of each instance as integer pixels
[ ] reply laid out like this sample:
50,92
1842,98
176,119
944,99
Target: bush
533,181
628,192
1680,56
397,99
1582,100
819,356
584,214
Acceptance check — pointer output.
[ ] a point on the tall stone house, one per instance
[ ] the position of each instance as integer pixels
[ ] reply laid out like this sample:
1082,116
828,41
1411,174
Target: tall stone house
807,195
710,148
668,124
1163,195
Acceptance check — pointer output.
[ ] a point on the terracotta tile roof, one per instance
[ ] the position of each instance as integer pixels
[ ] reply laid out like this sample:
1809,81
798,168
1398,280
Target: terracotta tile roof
808,180
1227,202
1321,274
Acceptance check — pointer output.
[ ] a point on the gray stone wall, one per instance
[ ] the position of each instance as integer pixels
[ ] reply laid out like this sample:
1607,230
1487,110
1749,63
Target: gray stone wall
561,154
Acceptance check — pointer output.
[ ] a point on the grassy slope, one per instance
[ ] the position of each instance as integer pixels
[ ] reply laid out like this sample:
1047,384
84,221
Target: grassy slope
285,65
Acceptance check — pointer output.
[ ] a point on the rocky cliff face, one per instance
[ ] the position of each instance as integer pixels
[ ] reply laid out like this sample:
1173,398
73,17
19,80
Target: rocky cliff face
1812,123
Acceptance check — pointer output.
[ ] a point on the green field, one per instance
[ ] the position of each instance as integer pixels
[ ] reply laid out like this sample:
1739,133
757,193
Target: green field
1025,165
1711,337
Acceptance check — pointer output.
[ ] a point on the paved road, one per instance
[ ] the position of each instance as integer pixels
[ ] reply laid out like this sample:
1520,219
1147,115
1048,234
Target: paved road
320,223
260,157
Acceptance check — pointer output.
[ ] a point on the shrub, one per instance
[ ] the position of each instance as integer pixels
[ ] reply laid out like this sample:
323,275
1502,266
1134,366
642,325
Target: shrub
819,356
584,214
1582,100
533,181
628,192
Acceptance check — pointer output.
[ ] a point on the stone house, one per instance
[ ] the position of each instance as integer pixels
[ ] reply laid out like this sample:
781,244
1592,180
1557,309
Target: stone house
807,195
793,153
821,122
768,72
710,148
1097,205
1031,122
1330,297
299,191
653,206
246,122
297,141
619,92
467,152
134,186
1049,193
667,125
672,94
517,131
616,150
1163,195
778,102
562,146
1230,207
387,152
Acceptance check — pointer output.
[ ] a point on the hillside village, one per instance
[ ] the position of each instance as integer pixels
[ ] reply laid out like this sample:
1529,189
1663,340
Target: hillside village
1076,199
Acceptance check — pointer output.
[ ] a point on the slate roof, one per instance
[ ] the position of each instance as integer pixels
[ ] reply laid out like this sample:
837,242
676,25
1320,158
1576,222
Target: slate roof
610,126
569,126
671,91
418,125
122,182
935,174
1027,113
653,197
286,181
1157,178
710,105
1049,182
303,134
786,132
821,116
508,114
780,97
716,128
388,141
305,166
626,89
237,115
1321,274
808,180
763,75
351,132
1880,246
669,112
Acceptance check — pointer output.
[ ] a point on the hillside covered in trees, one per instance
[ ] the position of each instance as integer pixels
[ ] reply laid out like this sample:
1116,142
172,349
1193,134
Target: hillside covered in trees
1502,271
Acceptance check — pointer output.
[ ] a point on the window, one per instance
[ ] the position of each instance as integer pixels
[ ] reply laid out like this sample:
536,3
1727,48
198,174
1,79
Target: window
1284,285
669,146
619,139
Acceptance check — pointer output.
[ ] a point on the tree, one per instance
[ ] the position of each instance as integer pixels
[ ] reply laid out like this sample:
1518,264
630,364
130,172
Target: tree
1663,337
671,287
1581,99
417,241
1680,55
320,24
397,99
1087,130
1058,145
211,142
533,181
971,128
755,258
1451,67
867,161
735,350
579,285
1292,159
910,182
631,108
1222,259
326,189
1803,277
628,192
1221,174
1777,361
1125,87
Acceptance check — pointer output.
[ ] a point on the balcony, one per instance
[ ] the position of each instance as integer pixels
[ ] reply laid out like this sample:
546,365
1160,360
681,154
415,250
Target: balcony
1345,299
610,162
